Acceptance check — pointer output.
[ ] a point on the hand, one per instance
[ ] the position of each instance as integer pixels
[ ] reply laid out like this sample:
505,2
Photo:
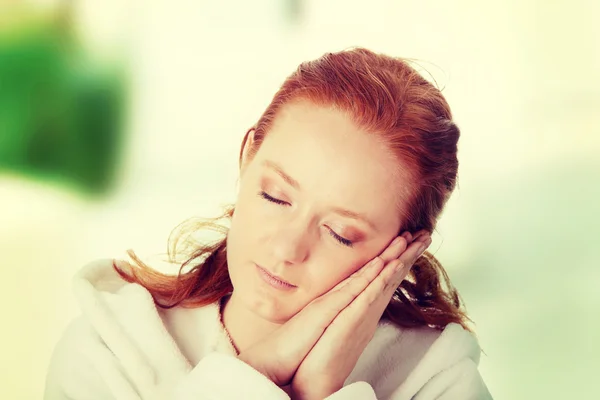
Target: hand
334,356
277,357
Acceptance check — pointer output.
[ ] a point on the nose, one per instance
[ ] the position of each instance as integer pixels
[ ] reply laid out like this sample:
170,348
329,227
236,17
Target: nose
290,243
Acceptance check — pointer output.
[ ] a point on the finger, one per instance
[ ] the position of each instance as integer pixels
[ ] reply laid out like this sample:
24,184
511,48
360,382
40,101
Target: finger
326,307
370,265
415,249
370,272
374,298
362,278
420,235
393,251
345,292
393,277
320,313
396,247
397,272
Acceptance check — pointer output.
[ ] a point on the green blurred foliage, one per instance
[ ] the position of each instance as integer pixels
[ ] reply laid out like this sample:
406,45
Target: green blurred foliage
61,114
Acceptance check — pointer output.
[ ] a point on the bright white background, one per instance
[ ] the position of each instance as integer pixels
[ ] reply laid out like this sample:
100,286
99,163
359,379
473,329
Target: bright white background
517,238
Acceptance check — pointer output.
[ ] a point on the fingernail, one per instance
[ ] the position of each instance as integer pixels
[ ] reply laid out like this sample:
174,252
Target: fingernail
419,234
395,242
424,247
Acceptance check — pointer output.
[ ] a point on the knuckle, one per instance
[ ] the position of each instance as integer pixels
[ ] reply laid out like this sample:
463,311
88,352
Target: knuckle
392,285
362,281
372,297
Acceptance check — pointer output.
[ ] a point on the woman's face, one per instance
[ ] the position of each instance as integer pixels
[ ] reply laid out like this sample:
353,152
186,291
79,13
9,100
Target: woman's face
289,219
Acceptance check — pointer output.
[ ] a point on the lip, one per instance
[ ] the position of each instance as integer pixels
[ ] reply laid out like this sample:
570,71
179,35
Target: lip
272,280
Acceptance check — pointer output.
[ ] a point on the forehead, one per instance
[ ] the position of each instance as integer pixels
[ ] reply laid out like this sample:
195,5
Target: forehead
336,163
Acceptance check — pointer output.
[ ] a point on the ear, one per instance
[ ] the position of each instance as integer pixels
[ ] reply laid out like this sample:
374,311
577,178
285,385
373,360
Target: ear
247,145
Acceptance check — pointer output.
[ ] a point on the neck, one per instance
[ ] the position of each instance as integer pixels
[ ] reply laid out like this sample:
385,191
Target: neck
245,327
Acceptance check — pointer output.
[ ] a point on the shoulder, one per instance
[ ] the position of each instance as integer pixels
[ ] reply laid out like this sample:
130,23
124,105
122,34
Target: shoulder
409,357
423,344
119,341
100,276
449,368
124,312
72,373
395,350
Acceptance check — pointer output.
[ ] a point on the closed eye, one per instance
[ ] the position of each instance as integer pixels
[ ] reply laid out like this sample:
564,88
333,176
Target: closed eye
334,235
340,239
265,196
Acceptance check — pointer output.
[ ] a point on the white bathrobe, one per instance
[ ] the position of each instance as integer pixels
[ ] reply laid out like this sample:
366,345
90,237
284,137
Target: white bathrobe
124,347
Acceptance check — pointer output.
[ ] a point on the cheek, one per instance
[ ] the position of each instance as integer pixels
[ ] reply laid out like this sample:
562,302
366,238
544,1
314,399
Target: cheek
245,217
251,208
236,242
242,237
325,279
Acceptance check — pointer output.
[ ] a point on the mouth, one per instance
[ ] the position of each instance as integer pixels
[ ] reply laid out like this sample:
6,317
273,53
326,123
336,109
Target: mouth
273,279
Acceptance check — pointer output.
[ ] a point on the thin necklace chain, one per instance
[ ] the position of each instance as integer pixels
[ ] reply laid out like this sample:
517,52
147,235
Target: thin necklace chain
221,301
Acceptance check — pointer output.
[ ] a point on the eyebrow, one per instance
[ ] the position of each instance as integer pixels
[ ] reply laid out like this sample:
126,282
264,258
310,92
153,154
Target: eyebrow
338,210
275,167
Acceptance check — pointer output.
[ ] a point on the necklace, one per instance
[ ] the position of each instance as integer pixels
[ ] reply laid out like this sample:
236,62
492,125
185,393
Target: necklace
221,304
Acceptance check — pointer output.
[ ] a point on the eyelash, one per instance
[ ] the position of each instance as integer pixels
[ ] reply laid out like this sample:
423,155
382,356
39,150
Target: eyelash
337,237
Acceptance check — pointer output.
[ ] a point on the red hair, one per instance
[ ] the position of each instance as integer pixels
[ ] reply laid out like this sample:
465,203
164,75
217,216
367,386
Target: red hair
385,97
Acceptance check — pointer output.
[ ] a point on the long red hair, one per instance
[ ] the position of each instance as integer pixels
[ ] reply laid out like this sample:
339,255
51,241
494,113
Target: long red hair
386,97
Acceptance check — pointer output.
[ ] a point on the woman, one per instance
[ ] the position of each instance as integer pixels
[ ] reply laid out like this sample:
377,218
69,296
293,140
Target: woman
320,287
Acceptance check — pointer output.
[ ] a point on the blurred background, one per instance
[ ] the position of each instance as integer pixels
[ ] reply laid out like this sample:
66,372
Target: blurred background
121,119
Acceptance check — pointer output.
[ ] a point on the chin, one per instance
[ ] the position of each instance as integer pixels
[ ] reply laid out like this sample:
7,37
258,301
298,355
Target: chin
263,303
